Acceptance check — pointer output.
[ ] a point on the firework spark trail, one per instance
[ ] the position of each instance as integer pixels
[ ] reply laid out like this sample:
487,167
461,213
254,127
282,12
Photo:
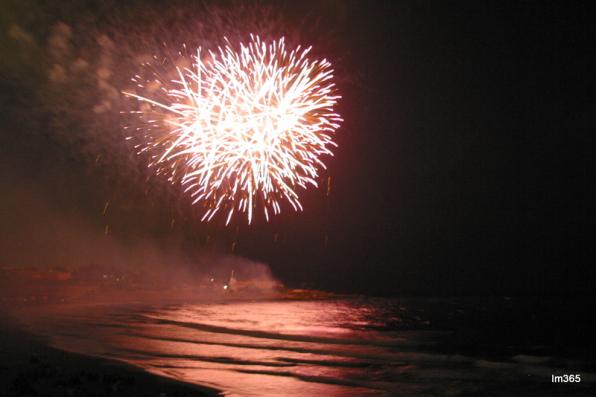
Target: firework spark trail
243,127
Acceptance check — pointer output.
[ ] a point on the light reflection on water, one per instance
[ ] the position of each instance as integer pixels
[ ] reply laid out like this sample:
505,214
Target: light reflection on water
341,347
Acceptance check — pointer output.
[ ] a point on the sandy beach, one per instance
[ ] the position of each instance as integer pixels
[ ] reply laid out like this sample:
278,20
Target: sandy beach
29,367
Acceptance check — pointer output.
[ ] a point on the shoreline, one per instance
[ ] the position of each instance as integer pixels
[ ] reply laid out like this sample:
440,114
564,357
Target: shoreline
31,367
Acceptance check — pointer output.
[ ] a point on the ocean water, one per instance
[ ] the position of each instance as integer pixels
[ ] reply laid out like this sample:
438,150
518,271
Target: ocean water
348,346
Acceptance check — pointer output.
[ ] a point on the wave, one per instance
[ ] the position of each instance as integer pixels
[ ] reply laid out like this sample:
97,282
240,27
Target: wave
272,335
213,359
294,349
318,379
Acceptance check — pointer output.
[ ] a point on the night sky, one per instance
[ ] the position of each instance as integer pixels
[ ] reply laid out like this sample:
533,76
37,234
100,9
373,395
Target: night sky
462,165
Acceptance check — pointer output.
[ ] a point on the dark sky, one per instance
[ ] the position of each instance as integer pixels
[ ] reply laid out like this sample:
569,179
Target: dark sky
462,165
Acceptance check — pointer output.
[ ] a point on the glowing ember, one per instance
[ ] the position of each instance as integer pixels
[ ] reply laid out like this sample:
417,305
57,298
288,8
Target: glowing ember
241,128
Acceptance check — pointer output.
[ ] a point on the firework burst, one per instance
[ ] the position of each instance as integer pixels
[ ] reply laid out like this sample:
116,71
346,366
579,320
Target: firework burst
243,127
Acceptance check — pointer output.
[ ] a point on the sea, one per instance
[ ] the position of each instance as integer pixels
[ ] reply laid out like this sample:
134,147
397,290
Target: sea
343,345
